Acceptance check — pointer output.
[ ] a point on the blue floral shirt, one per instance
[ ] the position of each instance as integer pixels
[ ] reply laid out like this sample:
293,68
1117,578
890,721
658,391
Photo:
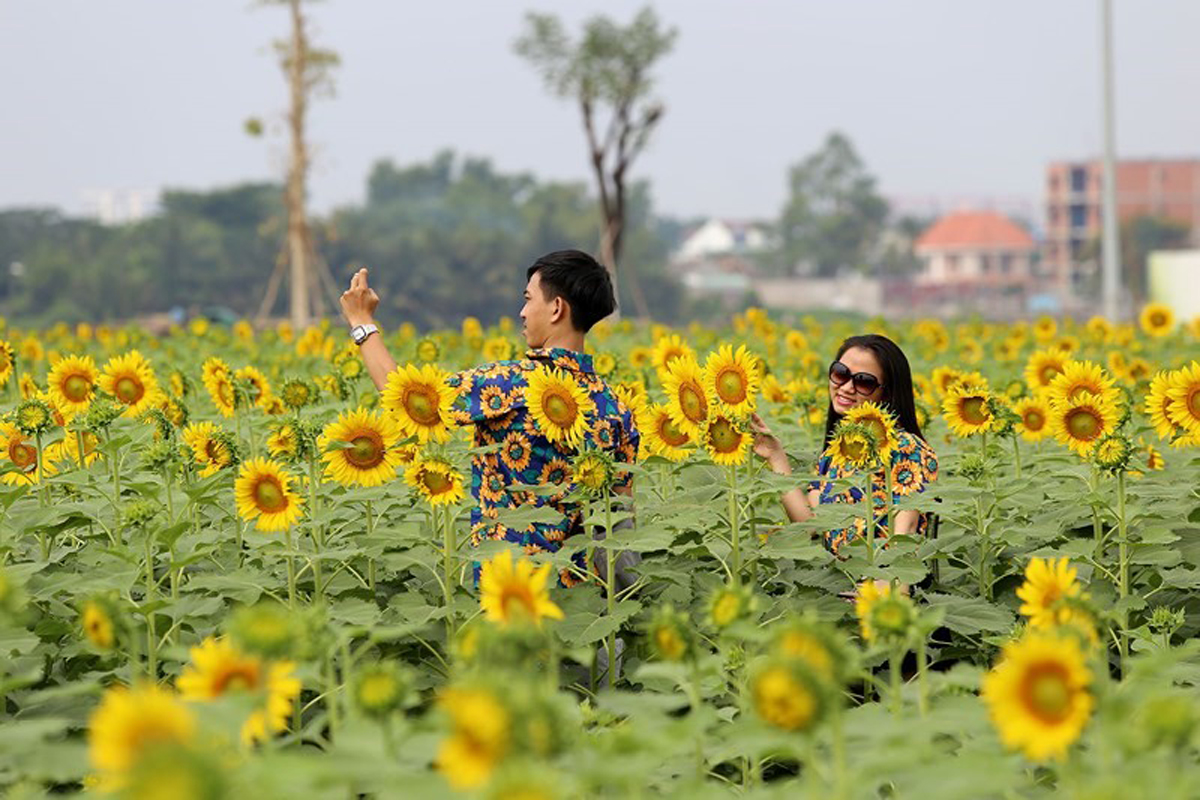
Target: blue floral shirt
914,466
492,398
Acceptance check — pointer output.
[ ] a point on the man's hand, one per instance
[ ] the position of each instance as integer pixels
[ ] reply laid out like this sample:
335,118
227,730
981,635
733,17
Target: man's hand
359,301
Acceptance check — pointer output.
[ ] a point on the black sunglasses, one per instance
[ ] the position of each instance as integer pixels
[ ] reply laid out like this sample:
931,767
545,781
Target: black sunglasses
864,382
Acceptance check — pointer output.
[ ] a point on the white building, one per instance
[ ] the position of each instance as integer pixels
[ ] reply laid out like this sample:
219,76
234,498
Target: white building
720,237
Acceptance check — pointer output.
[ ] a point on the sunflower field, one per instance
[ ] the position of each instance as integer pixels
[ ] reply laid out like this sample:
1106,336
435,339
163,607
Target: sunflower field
230,567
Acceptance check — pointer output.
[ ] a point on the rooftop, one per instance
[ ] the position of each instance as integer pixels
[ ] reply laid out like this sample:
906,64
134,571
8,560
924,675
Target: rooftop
966,229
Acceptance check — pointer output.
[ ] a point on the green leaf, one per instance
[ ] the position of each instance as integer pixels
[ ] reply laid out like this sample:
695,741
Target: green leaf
971,615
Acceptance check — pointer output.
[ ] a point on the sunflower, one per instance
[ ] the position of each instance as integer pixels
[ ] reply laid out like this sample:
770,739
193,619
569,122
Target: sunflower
255,384
72,383
7,362
130,379
943,379
479,739
1158,403
297,393
1042,367
605,364
558,404
1047,583
968,411
218,668
515,592
1077,378
129,723
667,349
851,447
1081,422
359,449
594,471
869,594
68,448
498,348
221,390
1045,329
436,480
428,350
688,399
733,379
787,695
211,447
661,435
22,453
1035,418
1037,695
879,420
420,400
98,625
1184,392
283,441
727,440
1157,320
263,492
213,367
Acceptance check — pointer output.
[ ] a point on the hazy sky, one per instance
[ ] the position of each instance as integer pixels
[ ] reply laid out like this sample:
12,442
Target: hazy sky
944,98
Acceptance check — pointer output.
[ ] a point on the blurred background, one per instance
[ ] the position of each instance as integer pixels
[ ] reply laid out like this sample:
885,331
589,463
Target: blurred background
166,160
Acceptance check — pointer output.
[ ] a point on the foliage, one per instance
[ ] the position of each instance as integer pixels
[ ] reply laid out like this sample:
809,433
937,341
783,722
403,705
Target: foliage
348,652
834,214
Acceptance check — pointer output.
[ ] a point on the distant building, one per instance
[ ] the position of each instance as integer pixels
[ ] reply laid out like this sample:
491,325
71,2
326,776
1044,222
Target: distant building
1168,188
977,248
717,257
974,261
722,237
119,206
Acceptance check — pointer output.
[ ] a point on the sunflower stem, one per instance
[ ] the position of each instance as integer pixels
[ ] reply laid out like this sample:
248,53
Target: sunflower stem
291,566
610,588
889,507
1123,573
370,559
894,670
735,533
448,585
1017,453
318,535
151,636
869,502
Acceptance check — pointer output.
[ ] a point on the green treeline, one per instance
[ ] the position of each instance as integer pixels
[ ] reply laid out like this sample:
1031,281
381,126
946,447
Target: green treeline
443,239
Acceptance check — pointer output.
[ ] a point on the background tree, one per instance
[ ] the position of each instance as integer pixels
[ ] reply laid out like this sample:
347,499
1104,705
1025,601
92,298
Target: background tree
308,75
1140,236
834,215
607,72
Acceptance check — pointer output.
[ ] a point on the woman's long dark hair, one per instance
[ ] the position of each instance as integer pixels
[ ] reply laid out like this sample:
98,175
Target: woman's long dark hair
897,383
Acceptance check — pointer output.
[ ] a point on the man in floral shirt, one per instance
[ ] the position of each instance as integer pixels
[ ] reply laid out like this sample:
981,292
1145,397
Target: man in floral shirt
567,293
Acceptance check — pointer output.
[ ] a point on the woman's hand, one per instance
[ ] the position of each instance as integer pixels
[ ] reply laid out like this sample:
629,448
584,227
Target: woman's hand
766,446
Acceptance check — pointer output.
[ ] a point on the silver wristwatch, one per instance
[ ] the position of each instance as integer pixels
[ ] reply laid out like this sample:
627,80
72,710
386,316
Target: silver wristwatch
359,333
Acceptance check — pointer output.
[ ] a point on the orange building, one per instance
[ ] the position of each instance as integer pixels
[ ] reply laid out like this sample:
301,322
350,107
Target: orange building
1168,188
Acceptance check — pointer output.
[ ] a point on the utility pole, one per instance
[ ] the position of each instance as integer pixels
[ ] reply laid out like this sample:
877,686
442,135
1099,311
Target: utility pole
1111,244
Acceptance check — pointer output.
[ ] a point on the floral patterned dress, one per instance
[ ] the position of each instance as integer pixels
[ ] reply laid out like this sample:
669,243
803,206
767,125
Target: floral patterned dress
914,466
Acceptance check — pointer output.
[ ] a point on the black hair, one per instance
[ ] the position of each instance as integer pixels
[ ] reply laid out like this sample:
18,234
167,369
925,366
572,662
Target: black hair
580,280
897,394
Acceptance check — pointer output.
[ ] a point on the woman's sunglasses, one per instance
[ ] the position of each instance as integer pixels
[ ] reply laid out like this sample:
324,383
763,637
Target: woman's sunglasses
864,382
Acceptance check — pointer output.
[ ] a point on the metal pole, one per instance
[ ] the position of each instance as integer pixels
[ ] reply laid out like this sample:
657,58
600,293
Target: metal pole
1111,245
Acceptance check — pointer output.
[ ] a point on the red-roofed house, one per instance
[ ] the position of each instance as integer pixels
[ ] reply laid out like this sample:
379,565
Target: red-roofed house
983,249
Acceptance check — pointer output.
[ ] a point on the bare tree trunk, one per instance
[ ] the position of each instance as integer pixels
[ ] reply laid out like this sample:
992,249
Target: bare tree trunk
299,240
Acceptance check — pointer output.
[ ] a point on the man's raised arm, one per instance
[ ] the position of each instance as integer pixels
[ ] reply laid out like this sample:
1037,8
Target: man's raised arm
358,305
